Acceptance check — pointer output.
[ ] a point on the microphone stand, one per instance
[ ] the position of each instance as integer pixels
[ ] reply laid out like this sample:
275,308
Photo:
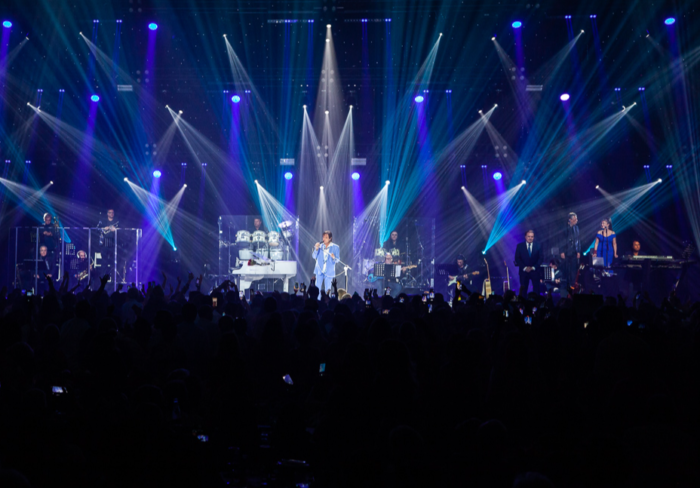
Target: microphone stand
345,271
422,253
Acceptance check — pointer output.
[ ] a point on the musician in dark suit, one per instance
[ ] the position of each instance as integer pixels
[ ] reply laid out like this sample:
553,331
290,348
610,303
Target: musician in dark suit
570,250
528,259
46,267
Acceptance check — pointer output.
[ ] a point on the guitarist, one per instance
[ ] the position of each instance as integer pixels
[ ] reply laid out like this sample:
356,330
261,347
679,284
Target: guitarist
462,274
570,250
528,259
386,281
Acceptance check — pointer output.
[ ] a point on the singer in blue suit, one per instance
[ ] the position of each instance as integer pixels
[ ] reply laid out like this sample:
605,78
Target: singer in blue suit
326,255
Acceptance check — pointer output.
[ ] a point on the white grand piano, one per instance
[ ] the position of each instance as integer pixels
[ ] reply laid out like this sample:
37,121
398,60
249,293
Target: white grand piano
260,269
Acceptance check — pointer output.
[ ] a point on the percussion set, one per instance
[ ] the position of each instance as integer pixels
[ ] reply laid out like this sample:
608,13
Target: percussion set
274,245
398,257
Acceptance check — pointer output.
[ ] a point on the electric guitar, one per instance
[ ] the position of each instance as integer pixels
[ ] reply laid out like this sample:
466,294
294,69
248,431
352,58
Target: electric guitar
487,281
371,278
577,288
456,278
105,230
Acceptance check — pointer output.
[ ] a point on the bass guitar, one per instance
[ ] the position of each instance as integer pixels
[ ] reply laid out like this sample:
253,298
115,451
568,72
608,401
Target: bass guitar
487,281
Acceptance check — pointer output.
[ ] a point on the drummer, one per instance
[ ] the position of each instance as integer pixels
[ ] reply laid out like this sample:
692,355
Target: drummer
392,246
258,225
392,242
258,246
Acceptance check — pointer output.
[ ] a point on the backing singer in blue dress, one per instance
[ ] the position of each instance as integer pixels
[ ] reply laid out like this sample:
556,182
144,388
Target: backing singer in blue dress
606,243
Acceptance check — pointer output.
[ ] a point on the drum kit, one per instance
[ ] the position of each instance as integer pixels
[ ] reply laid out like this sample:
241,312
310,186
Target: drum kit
274,245
398,257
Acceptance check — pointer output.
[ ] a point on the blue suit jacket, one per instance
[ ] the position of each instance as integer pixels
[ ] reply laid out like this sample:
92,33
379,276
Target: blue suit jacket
318,255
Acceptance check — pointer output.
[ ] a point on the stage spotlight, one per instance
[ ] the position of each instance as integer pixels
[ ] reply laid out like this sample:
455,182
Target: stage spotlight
523,182
386,182
288,176
669,166
50,182
517,24
328,40
321,188
256,182
493,38
483,252
670,21
180,112
597,187
659,180
419,99
497,175
235,99
153,26
327,112
350,107
328,25
495,105
7,24
480,112
126,179
95,98
185,185
564,97
356,176
157,173
304,107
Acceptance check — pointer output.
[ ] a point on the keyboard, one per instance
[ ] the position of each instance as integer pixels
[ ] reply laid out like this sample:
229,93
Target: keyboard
284,270
647,258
